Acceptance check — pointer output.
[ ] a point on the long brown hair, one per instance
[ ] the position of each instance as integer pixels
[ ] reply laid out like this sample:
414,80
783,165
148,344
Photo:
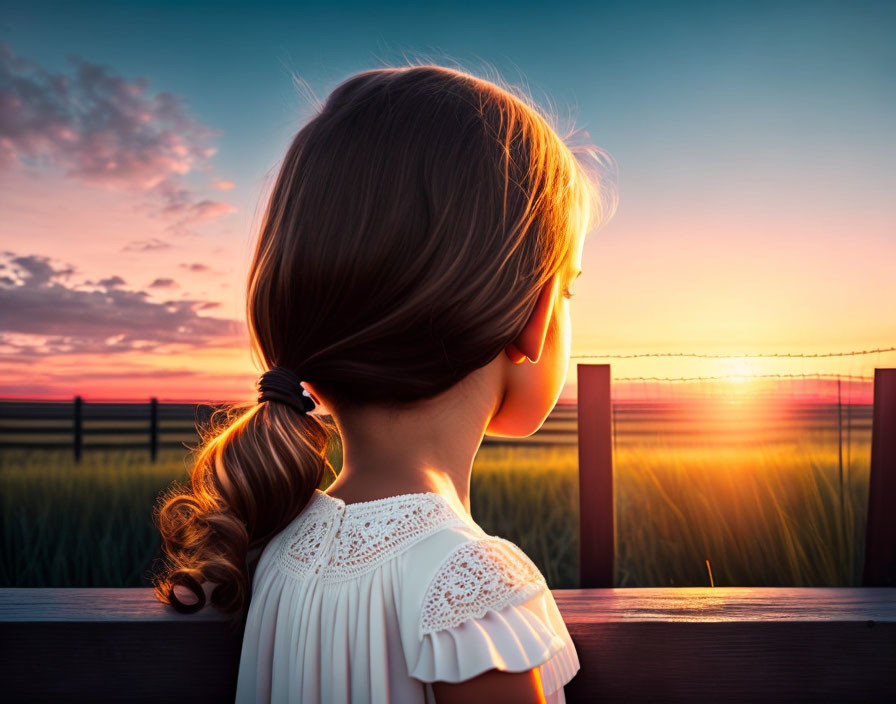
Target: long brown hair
414,220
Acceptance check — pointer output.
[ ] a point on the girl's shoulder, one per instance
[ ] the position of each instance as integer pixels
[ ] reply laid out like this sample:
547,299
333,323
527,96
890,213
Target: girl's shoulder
469,602
460,572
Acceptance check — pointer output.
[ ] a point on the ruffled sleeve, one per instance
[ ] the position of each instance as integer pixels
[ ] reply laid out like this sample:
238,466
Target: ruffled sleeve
488,607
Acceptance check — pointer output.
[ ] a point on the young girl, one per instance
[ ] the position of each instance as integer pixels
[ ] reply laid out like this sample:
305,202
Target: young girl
413,270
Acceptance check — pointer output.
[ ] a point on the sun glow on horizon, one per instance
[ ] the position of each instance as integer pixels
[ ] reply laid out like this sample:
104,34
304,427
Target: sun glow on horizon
740,369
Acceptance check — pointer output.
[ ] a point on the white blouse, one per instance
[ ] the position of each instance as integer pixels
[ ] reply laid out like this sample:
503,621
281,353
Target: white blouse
372,601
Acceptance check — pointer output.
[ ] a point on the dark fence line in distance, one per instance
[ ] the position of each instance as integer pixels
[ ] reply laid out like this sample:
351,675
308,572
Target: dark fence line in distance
155,426
152,425
79,425
158,426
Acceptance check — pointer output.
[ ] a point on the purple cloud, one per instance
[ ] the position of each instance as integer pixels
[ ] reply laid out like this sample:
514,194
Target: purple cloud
105,130
40,314
37,270
163,283
197,267
111,282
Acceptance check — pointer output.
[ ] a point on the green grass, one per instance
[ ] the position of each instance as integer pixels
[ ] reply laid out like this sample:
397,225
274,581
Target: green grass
764,516
768,516
81,525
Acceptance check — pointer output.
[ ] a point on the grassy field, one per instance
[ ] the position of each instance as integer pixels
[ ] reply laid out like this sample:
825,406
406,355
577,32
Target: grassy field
762,516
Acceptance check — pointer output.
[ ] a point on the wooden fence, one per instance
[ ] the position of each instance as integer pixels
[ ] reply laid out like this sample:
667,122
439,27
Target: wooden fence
720,645
597,509
79,425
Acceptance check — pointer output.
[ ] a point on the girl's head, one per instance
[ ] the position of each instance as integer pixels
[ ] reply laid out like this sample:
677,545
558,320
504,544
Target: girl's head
423,222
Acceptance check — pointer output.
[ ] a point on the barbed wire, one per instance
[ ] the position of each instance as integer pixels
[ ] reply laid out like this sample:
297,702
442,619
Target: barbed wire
733,356
848,377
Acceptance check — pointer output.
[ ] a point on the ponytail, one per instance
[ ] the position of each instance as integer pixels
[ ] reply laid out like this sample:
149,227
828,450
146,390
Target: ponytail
256,468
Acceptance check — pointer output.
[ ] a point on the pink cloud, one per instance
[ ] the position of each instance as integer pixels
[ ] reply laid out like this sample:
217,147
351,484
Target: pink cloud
208,210
224,185
107,131
145,245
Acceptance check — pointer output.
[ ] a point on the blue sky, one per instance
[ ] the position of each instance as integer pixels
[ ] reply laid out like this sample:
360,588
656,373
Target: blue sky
654,82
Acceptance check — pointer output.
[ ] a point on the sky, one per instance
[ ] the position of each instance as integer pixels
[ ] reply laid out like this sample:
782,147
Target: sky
753,142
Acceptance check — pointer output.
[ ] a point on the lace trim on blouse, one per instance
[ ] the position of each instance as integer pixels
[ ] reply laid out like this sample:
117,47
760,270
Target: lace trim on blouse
487,573
339,541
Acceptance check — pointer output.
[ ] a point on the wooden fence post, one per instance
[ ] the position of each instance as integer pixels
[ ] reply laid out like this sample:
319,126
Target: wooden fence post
78,428
880,534
596,518
153,427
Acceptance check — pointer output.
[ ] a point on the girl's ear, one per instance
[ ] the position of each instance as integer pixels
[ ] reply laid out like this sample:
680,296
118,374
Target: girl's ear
531,340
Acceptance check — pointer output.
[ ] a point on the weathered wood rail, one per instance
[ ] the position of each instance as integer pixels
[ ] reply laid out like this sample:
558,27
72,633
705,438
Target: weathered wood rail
723,644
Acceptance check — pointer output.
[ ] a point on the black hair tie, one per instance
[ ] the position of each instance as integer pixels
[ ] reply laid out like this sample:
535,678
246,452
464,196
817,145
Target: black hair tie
284,385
